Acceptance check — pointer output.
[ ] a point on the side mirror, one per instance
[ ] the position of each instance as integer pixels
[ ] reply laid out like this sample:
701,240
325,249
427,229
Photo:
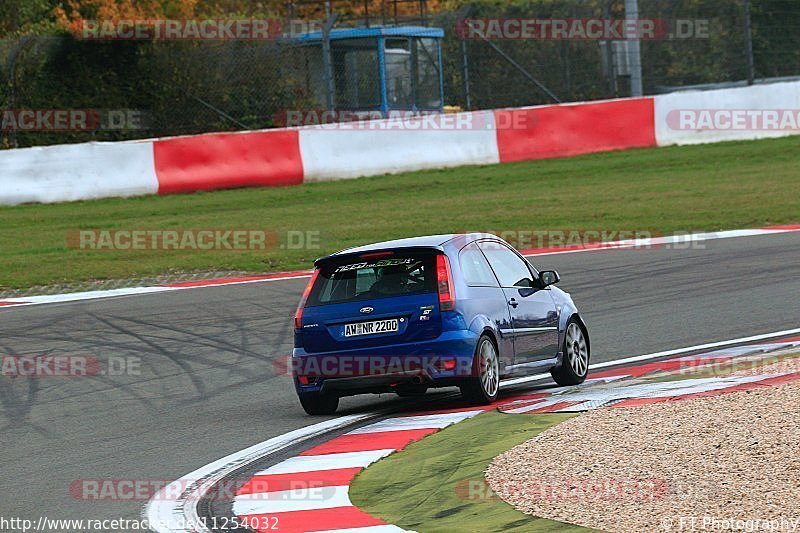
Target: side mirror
549,277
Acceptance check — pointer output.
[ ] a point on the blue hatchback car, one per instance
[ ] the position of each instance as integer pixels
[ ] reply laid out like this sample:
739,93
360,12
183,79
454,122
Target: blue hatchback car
403,316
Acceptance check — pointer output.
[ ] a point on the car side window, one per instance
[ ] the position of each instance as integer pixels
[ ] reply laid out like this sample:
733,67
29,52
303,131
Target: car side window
511,270
475,268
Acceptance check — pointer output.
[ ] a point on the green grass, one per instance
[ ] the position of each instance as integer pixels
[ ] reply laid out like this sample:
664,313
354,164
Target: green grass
721,186
436,484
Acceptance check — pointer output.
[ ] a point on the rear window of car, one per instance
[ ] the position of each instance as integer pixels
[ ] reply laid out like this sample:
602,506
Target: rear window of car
368,279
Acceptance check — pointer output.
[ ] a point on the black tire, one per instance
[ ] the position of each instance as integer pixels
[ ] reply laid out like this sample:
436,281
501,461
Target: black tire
319,404
482,388
575,358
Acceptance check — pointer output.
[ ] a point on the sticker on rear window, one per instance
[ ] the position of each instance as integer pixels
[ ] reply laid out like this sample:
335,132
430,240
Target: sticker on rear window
377,264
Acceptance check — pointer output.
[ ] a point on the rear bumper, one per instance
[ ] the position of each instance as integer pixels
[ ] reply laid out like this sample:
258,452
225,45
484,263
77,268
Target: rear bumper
438,362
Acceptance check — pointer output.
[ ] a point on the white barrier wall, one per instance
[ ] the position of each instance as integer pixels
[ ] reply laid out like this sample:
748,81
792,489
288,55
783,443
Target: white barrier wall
352,150
755,112
70,172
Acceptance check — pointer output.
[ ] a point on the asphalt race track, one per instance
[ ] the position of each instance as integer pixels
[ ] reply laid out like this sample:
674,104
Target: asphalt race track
209,379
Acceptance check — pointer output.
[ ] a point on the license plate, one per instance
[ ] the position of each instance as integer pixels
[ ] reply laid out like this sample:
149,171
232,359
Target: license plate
370,328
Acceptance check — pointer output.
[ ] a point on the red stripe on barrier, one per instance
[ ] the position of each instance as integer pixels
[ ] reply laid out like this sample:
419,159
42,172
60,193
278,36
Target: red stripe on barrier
362,442
8,304
298,481
228,160
315,520
565,130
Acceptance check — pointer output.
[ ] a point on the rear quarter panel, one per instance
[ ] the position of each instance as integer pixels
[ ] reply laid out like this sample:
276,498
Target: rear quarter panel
483,308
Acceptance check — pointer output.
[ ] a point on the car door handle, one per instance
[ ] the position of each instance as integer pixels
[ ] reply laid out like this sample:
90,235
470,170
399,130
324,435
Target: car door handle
513,302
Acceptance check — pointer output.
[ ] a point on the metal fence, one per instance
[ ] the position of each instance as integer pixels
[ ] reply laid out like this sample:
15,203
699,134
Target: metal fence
188,87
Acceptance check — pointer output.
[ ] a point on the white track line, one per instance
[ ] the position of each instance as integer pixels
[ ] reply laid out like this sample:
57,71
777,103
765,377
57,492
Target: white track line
88,295
25,301
658,355
741,350
667,353
666,241
172,515
612,245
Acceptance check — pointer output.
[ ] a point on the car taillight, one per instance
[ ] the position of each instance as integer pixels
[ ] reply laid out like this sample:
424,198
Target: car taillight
298,315
444,283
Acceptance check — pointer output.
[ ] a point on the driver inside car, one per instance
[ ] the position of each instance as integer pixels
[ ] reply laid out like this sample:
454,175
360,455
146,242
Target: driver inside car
393,281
